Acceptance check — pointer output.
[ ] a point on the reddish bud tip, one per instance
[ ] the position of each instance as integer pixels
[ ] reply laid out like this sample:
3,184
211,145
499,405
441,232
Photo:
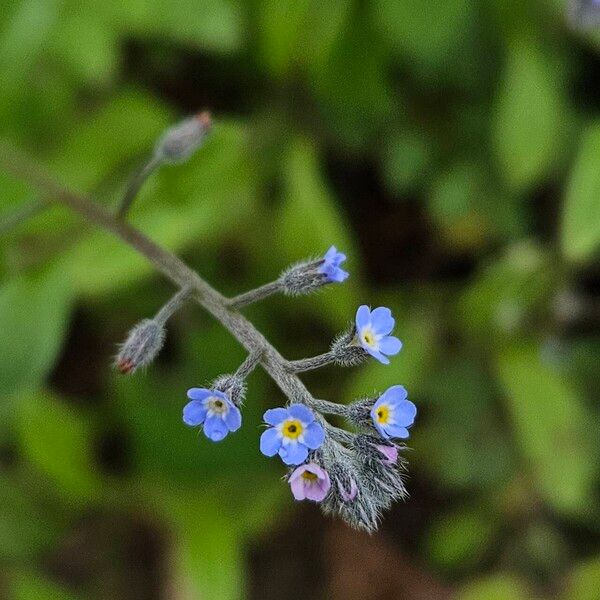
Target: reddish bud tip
205,119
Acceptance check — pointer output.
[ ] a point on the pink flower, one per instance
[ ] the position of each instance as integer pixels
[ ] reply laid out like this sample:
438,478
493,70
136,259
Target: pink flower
390,453
310,482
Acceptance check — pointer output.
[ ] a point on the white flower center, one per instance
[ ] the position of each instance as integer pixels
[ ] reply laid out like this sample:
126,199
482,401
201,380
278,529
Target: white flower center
216,406
368,337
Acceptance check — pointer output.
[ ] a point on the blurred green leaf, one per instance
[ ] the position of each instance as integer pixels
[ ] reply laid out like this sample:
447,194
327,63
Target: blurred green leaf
552,428
207,552
426,33
461,442
406,158
87,46
583,582
508,293
495,587
58,440
580,236
460,539
33,320
26,527
32,586
528,125
299,34
309,222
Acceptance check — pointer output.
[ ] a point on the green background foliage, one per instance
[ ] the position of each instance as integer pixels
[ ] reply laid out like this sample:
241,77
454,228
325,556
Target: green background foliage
451,149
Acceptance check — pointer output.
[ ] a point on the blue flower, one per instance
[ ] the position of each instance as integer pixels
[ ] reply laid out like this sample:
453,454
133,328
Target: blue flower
213,408
292,434
393,413
330,266
372,329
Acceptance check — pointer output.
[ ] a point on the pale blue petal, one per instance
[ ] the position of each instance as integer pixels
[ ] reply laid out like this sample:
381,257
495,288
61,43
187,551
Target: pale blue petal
293,454
382,320
330,254
314,436
274,416
390,345
376,354
395,394
363,317
405,413
301,412
194,413
198,393
270,442
233,419
381,430
396,431
215,428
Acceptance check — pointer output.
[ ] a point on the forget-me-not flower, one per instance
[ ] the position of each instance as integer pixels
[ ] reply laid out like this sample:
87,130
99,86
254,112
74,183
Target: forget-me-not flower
373,329
213,408
292,434
393,413
330,267
310,482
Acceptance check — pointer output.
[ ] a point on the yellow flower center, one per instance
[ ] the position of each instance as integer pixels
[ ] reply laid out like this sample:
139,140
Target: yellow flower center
368,337
383,414
309,476
292,428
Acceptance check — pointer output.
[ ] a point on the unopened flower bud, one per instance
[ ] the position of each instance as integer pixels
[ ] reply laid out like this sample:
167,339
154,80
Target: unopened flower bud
141,346
179,142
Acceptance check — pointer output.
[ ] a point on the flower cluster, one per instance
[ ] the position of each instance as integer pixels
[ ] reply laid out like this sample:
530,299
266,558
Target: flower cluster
355,475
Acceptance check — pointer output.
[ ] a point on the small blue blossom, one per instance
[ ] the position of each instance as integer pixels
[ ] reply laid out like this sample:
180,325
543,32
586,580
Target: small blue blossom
393,413
373,329
292,434
330,266
213,408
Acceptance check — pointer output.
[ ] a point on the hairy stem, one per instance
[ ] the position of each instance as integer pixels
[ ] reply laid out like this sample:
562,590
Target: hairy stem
248,365
173,305
264,291
308,364
166,263
135,185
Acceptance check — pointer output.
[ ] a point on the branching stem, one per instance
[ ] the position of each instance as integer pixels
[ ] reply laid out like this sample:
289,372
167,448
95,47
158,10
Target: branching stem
165,262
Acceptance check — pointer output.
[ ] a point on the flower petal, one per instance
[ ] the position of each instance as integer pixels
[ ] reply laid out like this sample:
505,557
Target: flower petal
215,428
337,275
363,317
381,430
270,442
198,393
382,320
318,490
405,413
396,431
314,436
301,412
274,416
293,454
394,394
194,413
376,354
233,419
298,488
390,345
330,254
